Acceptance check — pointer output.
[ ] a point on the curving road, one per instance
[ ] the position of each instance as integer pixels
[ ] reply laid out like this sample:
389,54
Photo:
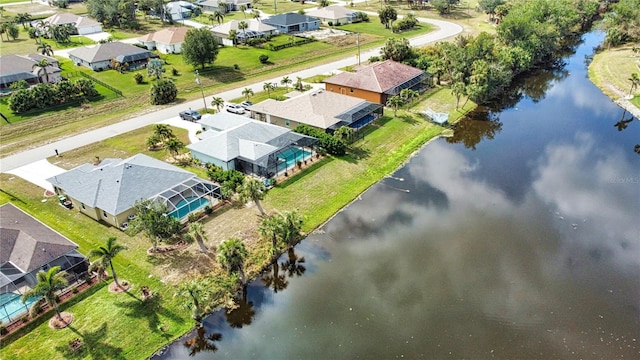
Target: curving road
444,30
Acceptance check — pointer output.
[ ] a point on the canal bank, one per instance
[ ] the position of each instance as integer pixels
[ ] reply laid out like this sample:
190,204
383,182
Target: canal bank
513,238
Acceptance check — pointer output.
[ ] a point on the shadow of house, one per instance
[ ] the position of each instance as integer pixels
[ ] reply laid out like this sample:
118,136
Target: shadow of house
26,247
109,190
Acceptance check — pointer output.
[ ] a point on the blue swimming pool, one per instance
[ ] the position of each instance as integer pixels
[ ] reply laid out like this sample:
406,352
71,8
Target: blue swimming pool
292,155
185,206
11,306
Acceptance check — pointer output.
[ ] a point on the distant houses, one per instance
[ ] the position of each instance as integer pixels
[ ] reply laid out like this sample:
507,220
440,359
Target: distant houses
292,22
321,109
336,14
224,6
24,67
255,29
107,191
167,41
179,10
83,25
378,81
98,57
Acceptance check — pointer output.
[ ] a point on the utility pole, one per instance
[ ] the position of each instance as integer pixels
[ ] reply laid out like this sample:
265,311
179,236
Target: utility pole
202,91
358,43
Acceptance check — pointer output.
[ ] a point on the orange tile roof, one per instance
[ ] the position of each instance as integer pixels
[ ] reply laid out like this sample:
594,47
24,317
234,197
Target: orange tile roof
378,77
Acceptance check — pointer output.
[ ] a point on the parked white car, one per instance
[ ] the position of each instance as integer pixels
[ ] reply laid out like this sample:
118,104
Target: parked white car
235,108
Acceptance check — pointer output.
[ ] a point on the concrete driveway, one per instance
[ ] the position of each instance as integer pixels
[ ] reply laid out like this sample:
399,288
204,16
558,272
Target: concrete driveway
38,172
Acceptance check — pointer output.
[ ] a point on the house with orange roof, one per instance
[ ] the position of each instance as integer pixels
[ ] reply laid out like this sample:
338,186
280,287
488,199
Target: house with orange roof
167,41
378,81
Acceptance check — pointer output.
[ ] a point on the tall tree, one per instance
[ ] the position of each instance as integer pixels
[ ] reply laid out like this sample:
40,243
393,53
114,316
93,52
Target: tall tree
233,36
218,16
268,86
243,9
155,68
218,103
253,189
199,47
635,82
197,233
45,49
247,93
397,50
42,66
173,146
243,26
231,255
395,102
104,255
286,81
49,283
23,19
270,228
196,295
255,14
387,16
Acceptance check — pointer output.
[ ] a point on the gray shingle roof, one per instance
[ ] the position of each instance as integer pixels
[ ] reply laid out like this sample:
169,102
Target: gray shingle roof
108,51
28,243
288,19
17,67
115,184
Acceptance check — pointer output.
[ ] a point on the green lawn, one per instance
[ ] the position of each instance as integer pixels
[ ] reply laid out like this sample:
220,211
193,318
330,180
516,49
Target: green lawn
2,2
375,27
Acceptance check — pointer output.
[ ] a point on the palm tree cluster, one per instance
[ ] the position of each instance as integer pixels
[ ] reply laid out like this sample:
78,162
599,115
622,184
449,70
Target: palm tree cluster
163,136
281,228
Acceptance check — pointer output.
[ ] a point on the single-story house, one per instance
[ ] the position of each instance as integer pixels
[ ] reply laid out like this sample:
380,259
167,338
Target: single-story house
231,5
167,41
21,67
255,29
378,81
108,191
26,247
321,109
83,25
98,57
292,22
235,142
179,10
337,14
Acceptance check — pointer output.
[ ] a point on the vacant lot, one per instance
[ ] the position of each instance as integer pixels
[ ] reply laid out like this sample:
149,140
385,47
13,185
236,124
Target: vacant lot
611,69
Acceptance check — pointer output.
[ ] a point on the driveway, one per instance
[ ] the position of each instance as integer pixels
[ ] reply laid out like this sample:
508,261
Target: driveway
37,173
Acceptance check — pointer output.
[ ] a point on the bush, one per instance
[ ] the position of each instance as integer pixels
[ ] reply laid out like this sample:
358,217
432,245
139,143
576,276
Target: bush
328,143
138,78
3,330
236,67
264,59
163,91
25,318
330,23
74,289
174,72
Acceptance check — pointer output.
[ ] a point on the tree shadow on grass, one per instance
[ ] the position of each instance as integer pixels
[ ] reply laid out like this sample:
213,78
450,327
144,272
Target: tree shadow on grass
355,154
149,310
223,74
408,119
93,346
307,172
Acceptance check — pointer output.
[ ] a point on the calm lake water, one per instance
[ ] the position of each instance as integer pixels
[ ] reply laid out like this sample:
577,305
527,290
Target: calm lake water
518,238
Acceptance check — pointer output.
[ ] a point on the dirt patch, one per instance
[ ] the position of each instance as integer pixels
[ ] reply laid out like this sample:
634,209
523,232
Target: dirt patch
60,323
124,286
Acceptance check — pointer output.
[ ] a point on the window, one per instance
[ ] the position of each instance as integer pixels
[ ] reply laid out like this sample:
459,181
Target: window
287,122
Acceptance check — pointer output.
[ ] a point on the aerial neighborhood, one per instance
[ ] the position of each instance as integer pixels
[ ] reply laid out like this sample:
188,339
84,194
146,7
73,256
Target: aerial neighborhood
169,152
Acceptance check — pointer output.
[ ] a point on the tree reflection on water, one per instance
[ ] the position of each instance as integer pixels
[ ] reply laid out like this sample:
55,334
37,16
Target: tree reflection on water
202,342
243,313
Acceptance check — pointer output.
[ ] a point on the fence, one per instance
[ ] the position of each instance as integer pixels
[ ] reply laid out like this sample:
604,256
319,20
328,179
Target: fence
102,83
302,41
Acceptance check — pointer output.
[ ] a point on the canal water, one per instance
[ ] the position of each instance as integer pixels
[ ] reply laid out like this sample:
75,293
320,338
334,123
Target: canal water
518,238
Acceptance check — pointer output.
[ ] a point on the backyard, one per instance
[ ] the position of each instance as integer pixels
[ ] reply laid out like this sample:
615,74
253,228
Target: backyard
386,144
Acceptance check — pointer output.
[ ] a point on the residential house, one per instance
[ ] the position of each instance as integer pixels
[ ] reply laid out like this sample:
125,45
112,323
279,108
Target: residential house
293,22
167,41
321,109
83,25
98,57
231,5
235,142
255,29
378,81
336,14
23,67
26,247
108,191
179,10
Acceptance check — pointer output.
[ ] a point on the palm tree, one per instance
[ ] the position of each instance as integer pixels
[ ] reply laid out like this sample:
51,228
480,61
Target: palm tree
49,283
635,82
42,67
268,86
233,36
286,82
4,29
219,16
242,25
196,295
271,228
395,102
173,146
253,189
23,18
45,49
223,6
106,254
247,93
243,9
163,131
292,225
255,14
197,233
231,255
218,103
211,18
408,95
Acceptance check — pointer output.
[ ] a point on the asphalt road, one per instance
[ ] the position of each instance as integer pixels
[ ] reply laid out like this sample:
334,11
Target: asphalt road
444,30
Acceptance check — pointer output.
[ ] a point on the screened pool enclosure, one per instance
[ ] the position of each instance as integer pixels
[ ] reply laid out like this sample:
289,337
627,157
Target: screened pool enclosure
189,196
